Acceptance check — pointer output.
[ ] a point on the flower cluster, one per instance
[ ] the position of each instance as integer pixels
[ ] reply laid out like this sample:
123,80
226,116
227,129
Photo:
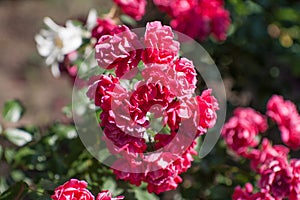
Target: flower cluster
279,176
76,189
197,19
148,103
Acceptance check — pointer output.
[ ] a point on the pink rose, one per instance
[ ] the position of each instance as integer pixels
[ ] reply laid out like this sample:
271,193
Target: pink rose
197,19
71,190
133,8
267,153
285,114
103,27
121,50
280,110
276,178
160,46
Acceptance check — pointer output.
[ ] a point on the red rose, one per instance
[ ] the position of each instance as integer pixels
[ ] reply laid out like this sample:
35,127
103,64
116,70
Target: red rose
73,190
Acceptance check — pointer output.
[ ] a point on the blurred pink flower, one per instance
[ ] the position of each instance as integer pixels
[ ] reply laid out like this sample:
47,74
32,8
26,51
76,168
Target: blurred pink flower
103,27
197,19
285,114
276,178
133,8
241,130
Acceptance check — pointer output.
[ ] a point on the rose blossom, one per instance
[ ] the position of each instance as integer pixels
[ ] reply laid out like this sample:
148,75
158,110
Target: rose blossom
197,19
121,50
175,8
254,116
160,46
247,194
242,193
276,178
267,153
133,8
280,110
103,27
285,114
179,77
241,130
290,133
72,189
295,183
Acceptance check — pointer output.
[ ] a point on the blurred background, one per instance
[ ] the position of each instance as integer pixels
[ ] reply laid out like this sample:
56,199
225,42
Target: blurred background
23,74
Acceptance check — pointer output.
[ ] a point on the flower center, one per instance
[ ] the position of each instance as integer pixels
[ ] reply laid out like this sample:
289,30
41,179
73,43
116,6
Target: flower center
58,42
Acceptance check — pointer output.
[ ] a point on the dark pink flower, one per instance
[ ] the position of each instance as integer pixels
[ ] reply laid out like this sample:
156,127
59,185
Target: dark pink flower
197,19
240,132
187,67
285,114
247,194
280,110
123,143
207,107
254,116
242,193
100,89
276,178
290,133
103,27
176,8
295,183
160,46
261,157
163,179
133,8
196,114
122,51
167,178
240,135
72,189
179,77
106,195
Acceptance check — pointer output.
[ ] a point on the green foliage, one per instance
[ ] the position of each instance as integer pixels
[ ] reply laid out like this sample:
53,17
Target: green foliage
16,191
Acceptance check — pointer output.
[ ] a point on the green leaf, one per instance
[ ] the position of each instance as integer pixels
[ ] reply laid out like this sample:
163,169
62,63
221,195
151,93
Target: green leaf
144,195
13,111
288,14
128,20
65,131
17,136
111,185
17,191
9,155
